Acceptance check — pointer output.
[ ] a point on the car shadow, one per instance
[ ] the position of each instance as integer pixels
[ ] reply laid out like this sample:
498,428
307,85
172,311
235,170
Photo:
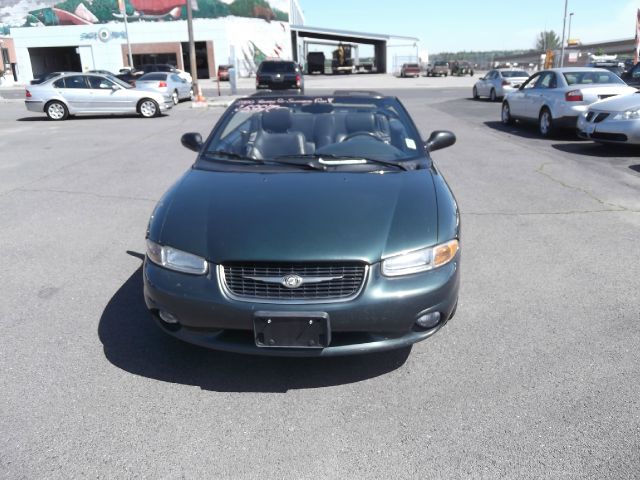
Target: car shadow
133,342
44,118
529,130
33,119
593,149
484,99
635,168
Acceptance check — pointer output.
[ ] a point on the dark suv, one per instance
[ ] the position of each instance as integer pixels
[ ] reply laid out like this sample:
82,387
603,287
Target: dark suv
632,77
280,75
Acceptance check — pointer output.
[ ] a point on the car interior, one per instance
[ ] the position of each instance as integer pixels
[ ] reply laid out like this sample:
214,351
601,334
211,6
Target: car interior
284,131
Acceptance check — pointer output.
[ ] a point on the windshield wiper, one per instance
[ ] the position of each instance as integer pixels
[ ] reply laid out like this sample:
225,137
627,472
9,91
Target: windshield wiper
227,154
237,156
337,160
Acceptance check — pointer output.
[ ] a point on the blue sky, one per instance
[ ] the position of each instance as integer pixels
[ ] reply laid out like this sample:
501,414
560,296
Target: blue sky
452,25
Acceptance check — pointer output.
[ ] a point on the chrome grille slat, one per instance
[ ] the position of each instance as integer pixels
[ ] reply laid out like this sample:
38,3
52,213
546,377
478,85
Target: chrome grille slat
238,285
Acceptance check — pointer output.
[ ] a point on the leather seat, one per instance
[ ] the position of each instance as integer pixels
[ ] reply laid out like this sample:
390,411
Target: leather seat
364,123
275,139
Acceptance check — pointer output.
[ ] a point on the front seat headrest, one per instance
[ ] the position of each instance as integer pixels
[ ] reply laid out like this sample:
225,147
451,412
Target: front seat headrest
360,122
277,121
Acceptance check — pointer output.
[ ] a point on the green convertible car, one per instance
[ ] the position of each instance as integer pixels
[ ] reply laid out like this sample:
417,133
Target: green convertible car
307,226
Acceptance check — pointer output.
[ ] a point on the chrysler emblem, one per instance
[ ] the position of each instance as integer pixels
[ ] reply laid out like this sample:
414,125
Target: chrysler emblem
291,281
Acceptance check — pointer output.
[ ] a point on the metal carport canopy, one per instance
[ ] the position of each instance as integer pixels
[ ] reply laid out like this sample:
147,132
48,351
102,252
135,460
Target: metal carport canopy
379,41
346,35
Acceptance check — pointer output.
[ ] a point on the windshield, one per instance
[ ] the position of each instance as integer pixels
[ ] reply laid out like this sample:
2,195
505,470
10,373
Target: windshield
440,64
277,67
329,130
514,73
591,77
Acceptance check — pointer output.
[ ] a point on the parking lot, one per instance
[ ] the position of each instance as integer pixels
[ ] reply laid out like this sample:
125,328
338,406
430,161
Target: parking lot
535,377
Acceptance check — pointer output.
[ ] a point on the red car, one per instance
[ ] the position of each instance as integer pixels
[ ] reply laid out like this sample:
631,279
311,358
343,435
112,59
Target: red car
223,72
410,70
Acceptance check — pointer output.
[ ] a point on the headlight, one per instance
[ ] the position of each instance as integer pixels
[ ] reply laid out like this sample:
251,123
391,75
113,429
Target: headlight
420,260
175,259
631,114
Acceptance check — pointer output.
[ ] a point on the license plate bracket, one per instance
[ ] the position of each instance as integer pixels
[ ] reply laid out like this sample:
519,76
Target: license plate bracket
291,329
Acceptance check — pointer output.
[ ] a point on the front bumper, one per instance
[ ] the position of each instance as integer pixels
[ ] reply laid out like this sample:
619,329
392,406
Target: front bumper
382,317
610,131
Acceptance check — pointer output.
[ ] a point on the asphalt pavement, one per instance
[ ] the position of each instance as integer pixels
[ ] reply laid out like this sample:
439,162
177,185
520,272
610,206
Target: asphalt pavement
535,377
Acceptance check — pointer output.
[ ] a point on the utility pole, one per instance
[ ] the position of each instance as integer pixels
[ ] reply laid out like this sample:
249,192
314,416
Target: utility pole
564,26
123,10
192,57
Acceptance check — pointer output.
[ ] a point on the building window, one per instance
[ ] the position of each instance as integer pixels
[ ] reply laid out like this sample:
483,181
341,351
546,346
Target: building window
5,56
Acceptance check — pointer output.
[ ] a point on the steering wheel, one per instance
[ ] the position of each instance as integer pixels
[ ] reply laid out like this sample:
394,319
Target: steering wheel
362,134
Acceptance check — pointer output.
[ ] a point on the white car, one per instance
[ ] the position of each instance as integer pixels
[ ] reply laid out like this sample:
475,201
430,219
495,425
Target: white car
92,93
556,97
616,120
499,82
166,83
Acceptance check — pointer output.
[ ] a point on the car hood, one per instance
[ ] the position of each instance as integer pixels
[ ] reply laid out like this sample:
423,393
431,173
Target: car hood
619,103
299,216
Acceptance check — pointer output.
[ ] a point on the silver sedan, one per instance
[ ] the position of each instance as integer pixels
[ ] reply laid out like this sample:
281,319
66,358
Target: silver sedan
556,97
616,120
499,82
166,83
75,93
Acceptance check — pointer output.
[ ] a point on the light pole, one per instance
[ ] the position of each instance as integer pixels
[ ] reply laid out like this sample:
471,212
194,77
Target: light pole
564,26
569,33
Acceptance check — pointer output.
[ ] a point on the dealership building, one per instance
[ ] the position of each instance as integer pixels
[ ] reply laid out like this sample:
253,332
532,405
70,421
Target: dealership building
58,40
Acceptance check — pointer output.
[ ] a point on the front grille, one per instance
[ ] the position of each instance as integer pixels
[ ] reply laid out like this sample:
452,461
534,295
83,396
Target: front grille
614,137
596,117
600,117
351,281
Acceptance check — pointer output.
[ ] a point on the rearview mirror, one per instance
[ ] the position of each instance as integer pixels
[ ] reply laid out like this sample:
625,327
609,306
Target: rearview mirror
440,139
192,141
114,87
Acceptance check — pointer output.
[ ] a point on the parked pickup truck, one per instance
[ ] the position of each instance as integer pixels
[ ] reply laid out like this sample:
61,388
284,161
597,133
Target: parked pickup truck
438,69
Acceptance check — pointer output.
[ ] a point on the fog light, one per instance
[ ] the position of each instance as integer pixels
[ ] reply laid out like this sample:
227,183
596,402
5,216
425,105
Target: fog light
428,320
167,317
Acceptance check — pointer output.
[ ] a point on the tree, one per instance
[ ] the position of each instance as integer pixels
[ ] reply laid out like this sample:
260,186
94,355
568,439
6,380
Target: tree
547,40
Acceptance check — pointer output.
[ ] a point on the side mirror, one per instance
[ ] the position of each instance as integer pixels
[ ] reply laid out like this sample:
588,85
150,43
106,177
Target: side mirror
192,141
440,139
115,87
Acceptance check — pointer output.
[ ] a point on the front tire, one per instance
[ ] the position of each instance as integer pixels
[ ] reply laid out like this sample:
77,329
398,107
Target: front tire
149,108
505,116
56,111
545,123
475,93
492,95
